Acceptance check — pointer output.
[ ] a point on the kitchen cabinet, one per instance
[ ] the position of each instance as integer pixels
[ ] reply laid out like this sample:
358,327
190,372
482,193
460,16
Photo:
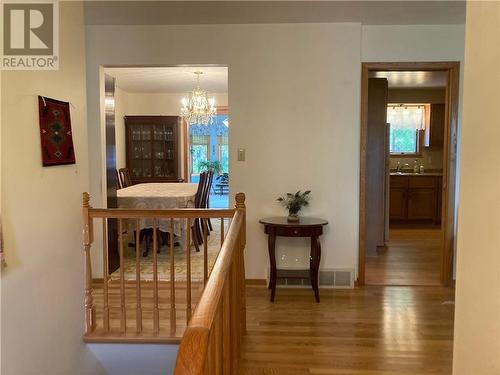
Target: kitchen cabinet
421,204
398,198
436,136
415,198
397,204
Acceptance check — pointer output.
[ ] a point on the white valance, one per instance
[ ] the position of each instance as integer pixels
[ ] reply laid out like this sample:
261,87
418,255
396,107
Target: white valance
406,116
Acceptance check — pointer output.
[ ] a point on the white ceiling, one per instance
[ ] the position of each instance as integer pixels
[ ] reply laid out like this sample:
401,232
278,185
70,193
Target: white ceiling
253,12
169,79
413,79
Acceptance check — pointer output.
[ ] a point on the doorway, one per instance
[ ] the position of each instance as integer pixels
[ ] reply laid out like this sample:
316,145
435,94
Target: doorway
146,132
407,176
207,147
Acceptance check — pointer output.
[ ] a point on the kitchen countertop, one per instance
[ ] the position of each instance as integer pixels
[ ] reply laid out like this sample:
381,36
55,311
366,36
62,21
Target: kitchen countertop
416,174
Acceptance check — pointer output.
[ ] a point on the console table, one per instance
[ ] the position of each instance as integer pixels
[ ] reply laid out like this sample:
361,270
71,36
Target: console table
306,227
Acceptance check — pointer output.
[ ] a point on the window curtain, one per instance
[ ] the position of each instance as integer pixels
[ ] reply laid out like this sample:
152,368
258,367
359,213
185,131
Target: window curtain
200,140
406,117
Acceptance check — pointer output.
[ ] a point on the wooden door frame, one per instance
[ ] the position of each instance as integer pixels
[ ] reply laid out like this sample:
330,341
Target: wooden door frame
449,158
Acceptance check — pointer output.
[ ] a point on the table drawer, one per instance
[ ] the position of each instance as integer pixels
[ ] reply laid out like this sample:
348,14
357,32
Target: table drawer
298,231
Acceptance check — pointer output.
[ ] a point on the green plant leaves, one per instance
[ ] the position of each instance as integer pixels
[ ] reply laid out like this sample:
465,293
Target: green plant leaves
294,202
208,165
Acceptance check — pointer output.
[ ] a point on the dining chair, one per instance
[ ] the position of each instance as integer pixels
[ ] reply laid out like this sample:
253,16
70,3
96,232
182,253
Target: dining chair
206,198
196,232
198,203
118,181
125,178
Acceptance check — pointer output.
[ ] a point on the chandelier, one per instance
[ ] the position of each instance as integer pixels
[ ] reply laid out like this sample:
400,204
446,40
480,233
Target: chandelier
198,109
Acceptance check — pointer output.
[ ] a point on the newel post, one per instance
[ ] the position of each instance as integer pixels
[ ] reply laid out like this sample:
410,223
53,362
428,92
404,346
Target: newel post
87,242
240,206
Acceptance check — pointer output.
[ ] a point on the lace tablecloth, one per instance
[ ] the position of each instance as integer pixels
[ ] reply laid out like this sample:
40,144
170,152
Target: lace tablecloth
159,196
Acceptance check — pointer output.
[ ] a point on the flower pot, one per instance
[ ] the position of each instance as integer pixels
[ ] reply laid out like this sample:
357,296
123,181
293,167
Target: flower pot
293,218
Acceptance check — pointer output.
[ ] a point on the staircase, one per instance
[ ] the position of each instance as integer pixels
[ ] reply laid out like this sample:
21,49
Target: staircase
203,310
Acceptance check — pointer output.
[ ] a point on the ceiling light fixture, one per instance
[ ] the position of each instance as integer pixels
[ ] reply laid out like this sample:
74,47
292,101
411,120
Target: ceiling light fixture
198,109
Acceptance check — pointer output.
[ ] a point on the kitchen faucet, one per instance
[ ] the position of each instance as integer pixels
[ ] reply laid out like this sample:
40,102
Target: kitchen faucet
398,168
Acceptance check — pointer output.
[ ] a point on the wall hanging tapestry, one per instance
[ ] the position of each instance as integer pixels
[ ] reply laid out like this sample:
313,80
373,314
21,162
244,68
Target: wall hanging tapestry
55,132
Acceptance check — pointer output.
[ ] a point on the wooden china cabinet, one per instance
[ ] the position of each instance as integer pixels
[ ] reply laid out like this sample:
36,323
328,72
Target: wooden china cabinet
152,148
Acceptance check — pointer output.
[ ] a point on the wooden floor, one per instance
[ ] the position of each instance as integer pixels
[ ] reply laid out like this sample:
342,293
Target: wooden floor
372,330
412,257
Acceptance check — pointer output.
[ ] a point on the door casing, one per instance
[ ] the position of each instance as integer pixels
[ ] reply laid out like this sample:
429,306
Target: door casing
449,158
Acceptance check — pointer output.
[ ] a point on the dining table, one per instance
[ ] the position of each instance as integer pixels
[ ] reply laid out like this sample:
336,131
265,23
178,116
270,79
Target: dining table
155,196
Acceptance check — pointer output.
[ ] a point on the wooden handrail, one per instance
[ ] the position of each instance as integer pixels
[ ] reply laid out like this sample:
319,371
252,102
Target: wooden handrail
182,213
212,340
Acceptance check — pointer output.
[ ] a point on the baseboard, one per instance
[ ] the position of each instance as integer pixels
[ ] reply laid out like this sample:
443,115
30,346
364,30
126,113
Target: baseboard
256,282
247,281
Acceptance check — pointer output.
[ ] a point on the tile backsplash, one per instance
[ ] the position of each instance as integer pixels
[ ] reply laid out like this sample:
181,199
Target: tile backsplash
430,160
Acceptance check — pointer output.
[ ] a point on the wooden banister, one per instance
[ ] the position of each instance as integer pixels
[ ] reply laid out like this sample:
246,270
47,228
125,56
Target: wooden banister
87,242
211,343
126,307
182,213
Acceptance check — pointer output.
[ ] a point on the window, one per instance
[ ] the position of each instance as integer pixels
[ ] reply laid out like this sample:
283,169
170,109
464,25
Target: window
199,151
223,153
407,123
209,143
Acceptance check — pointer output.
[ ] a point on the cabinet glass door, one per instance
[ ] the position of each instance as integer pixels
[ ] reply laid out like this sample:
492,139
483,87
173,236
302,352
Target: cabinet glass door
151,148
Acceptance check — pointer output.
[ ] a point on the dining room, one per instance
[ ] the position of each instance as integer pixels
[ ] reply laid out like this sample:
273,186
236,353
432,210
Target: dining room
166,148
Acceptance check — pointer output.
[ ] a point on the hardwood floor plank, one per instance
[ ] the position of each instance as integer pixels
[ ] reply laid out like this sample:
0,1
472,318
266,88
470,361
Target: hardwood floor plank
412,257
373,330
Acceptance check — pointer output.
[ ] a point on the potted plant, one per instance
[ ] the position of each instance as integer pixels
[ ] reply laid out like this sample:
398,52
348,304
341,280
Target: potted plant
208,165
294,203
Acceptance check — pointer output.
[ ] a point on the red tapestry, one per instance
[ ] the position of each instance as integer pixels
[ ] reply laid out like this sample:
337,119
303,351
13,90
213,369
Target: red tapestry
55,132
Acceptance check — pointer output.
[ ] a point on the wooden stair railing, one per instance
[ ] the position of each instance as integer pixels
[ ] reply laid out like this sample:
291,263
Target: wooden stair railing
120,308
212,341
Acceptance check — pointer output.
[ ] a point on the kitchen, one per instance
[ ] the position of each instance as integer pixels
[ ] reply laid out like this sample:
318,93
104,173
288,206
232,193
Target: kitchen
416,114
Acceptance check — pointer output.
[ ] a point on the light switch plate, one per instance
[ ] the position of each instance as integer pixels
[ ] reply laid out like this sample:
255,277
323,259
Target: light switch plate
241,154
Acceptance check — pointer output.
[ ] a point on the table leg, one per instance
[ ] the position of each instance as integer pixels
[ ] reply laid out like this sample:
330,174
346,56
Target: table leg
271,242
314,261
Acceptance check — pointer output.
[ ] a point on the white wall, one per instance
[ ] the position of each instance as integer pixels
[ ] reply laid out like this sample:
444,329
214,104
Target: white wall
295,91
477,313
412,43
135,359
42,287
